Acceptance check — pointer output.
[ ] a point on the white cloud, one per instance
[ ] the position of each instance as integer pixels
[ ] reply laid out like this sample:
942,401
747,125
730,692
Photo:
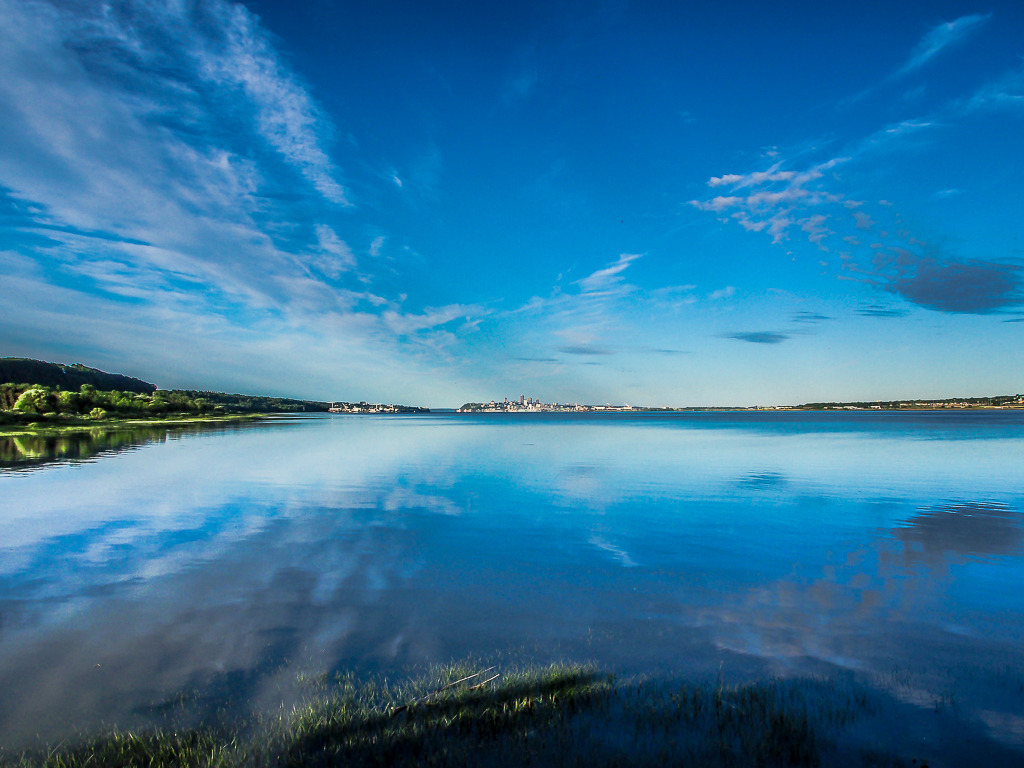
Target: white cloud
774,198
376,246
908,126
756,178
163,240
722,293
1004,92
815,228
778,226
864,222
607,278
718,204
941,37
431,318
88,154
286,115
897,262
336,257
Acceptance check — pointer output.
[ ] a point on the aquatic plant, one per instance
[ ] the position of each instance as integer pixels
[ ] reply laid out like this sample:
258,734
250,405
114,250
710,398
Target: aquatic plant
464,714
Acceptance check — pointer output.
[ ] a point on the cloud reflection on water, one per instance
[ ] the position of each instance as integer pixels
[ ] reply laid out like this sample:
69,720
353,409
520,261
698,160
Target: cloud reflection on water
372,543
962,530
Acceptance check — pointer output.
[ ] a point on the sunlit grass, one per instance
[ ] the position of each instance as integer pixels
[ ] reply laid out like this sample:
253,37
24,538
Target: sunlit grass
67,425
467,714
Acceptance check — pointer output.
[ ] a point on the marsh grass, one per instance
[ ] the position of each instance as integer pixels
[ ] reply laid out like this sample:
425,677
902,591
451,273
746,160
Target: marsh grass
564,715
12,426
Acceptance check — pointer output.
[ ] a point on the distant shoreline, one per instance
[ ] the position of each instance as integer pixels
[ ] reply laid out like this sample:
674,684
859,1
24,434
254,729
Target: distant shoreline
743,409
530,405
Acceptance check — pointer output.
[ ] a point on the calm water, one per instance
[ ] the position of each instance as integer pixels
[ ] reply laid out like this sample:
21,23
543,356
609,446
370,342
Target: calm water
222,563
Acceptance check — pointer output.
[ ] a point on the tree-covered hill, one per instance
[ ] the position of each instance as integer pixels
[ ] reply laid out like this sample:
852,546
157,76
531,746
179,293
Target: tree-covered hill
20,370
33,391
254,403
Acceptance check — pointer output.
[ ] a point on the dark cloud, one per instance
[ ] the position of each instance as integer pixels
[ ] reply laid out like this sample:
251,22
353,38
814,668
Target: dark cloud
968,287
877,310
760,337
1014,320
582,349
536,359
810,317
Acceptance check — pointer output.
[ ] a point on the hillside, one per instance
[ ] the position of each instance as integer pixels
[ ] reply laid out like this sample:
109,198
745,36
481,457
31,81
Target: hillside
20,370
34,391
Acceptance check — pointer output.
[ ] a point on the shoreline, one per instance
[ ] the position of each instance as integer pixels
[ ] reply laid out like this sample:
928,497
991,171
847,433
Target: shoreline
741,409
55,429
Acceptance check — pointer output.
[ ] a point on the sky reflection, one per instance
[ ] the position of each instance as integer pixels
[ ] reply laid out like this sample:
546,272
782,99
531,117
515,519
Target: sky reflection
231,560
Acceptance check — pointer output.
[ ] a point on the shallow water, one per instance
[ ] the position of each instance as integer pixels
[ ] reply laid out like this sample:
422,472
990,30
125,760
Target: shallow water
220,563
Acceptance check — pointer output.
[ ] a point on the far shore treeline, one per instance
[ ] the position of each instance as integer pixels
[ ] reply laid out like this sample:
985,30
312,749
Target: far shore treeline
33,391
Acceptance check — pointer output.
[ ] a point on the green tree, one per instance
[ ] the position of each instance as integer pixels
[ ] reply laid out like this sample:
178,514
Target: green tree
67,402
36,400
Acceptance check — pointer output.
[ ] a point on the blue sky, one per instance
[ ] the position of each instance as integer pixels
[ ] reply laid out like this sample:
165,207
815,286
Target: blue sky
655,203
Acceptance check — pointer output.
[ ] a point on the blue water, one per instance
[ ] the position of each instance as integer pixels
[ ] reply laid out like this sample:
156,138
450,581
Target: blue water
888,545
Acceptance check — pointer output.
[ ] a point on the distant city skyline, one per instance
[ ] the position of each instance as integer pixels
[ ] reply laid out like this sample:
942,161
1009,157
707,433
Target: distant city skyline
667,204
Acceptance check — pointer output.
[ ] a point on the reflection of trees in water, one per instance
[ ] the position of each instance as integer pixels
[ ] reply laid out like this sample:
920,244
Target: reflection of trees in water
970,529
27,451
33,450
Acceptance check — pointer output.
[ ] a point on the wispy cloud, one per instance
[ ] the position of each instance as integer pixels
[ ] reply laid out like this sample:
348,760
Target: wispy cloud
151,142
609,277
772,199
580,349
880,310
1002,93
722,293
335,256
810,317
777,200
404,324
286,116
941,37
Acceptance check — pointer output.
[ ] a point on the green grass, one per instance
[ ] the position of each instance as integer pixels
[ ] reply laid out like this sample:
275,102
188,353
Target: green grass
562,715
68,425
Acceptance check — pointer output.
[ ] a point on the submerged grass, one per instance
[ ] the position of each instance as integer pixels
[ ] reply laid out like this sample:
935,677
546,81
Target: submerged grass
561,715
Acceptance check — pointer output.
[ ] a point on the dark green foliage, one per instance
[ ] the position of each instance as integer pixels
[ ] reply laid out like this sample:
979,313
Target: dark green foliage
24,370
75,390
252,403
39,404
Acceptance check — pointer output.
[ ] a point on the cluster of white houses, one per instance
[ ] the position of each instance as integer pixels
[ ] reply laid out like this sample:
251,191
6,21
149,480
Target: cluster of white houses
365,407
530,405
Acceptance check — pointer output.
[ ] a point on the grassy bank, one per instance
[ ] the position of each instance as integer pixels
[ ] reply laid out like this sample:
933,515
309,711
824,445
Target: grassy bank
71,424
471,715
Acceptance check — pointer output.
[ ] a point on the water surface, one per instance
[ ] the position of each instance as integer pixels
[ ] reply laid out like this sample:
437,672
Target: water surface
222,563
